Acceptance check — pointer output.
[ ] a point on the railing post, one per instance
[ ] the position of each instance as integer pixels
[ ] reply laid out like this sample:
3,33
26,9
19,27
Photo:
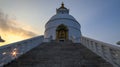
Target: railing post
110,53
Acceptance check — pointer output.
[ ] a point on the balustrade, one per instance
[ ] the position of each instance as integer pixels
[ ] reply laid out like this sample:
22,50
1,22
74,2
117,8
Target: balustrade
12,51
108,52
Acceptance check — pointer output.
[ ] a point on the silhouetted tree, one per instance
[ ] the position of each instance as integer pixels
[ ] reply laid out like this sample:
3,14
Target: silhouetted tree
1,40
118,42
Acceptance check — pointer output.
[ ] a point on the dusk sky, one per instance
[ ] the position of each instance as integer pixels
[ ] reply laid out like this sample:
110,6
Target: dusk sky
99,19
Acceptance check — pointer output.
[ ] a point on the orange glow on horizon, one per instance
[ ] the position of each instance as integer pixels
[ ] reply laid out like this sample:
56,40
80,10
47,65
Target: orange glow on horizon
14,31
11,38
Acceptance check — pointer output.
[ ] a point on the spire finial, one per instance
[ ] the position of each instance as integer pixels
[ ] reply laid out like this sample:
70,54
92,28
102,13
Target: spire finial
62,5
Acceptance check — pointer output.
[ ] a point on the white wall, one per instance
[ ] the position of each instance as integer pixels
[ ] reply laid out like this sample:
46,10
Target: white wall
73,26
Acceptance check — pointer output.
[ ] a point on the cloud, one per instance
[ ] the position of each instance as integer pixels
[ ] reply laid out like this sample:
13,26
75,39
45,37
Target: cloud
12,31
11,26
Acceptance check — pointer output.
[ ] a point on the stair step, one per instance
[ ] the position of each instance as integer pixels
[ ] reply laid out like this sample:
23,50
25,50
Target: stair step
55,54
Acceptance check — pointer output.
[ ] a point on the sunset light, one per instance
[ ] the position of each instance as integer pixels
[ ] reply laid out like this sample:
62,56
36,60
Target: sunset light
12,38
12,30
14,52
55,33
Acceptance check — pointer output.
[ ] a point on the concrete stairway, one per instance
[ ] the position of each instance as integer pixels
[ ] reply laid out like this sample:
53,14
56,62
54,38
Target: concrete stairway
54,54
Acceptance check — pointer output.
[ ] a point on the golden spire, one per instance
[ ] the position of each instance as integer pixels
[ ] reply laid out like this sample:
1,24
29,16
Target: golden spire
62,5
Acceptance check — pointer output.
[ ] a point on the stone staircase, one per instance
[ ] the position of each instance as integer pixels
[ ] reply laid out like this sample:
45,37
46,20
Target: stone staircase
59,54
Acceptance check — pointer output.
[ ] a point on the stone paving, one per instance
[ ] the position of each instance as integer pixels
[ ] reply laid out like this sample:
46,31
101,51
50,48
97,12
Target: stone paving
56,54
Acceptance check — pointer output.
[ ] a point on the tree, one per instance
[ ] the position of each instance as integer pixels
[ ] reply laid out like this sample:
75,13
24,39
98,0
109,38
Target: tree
118,42
1,40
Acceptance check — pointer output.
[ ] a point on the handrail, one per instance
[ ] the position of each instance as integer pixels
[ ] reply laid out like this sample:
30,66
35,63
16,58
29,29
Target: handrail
12,51
108,52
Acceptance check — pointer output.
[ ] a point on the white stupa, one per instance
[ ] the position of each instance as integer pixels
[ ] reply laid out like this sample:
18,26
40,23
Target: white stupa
63,26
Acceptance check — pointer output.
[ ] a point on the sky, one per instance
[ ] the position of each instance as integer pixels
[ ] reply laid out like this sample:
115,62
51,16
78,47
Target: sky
99,19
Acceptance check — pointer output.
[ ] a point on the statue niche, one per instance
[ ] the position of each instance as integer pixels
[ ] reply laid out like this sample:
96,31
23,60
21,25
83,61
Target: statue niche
61,33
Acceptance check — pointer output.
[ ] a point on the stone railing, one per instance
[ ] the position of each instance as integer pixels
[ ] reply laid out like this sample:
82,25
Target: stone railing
110,53
14,50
